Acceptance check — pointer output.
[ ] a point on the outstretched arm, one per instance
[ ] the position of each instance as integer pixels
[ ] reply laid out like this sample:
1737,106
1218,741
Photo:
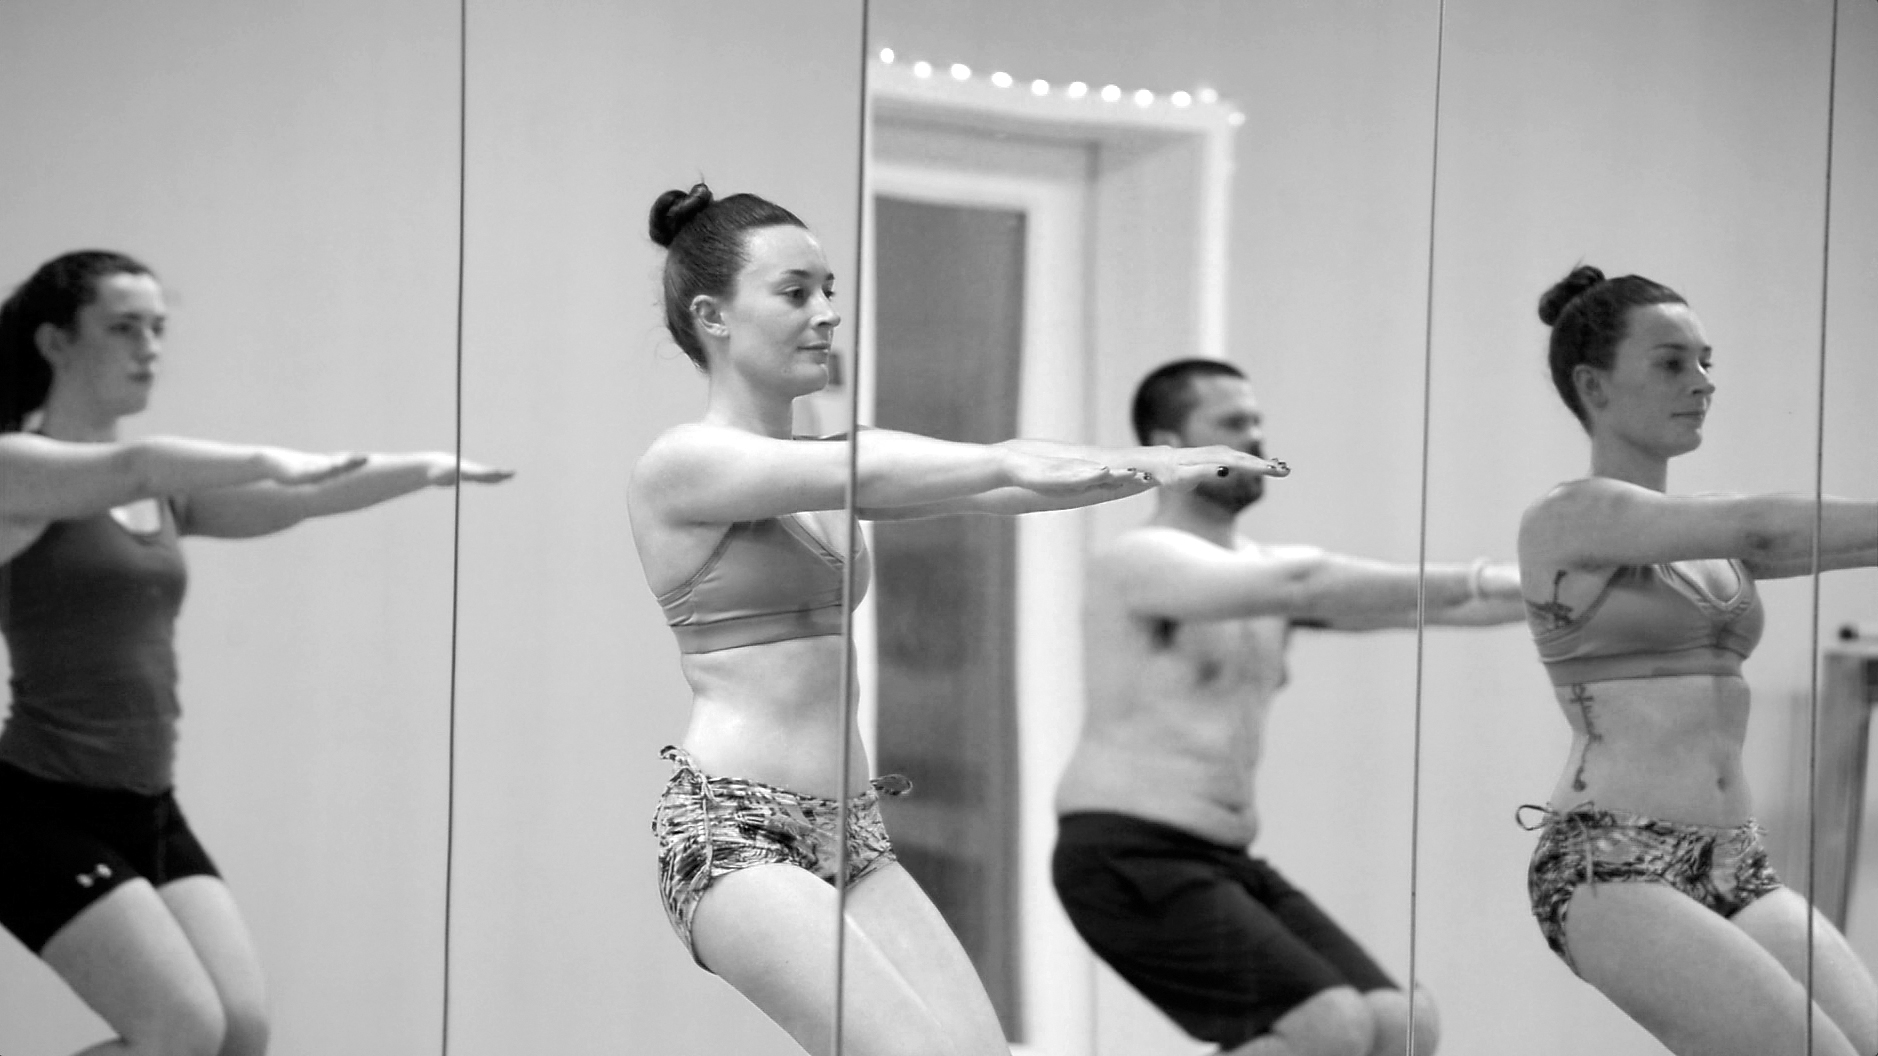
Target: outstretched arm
1493,596
1357,594
1600,522
260,509
42,479
1172,467
1176,575
715,474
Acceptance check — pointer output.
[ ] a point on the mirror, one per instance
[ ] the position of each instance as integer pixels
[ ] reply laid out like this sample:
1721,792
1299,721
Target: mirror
1688,146
568,679
1848,853
1274,214
290,174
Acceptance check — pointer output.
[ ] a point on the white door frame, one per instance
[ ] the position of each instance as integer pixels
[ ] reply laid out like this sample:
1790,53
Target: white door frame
1110,194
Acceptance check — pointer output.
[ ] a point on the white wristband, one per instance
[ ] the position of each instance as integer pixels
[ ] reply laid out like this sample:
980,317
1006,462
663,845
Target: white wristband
1476,579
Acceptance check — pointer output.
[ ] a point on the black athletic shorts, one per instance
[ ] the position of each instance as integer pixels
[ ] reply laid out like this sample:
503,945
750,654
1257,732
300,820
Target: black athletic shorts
65,846
1215,938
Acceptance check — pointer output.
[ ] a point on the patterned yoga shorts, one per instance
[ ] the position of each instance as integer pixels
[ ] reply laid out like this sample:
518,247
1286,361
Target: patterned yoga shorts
1723,868
709,826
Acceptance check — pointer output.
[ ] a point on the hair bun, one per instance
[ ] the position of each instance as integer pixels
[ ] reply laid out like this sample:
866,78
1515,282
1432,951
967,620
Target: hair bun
1554,301
674,210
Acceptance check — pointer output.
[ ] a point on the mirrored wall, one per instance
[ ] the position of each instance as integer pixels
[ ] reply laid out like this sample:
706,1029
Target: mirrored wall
1688,145
1684,143
290,175
1247,182
431,795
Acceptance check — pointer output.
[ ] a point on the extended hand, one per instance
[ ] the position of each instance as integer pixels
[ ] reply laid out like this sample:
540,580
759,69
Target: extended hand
446,470
1047,475
1183,468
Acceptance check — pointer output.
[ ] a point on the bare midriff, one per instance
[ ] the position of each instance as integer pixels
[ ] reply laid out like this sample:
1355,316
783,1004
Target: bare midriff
1206,797
772,713
1666,747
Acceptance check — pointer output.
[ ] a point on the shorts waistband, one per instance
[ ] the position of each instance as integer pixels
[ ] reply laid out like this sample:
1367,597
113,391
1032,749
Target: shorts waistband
1589,815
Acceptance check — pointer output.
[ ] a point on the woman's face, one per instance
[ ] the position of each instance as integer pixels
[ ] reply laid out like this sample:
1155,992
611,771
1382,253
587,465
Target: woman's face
107,358
782,317
1657,392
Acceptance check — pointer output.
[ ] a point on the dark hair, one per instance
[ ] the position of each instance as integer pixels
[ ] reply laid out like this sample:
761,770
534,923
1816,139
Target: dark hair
704,239
1165,397
54,294
1589,314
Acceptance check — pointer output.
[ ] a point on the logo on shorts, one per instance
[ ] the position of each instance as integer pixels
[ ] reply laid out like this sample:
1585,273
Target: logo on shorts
100,872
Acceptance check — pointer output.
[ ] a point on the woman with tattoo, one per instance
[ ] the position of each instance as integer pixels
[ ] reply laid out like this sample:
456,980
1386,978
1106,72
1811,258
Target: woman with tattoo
1650,879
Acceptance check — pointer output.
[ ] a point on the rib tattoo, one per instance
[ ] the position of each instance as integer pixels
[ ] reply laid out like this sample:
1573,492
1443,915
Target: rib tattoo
1583,698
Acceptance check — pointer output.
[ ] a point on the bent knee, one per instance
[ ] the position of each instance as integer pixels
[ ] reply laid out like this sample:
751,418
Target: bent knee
1394,1022
193,1028
1335,1022
247,1031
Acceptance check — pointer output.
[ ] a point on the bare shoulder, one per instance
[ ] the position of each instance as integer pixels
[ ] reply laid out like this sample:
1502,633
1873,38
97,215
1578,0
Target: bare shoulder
1148,545
17,447
1569,504
677,454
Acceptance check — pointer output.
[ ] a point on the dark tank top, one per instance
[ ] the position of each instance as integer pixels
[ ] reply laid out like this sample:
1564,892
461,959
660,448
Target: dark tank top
88,612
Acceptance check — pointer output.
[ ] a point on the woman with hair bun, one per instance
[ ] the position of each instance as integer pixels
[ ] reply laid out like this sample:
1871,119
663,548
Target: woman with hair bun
100,874
726,518
1650,879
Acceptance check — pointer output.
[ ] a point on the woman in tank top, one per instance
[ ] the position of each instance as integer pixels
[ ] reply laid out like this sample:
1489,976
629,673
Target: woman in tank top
100,874
739,533
1650,879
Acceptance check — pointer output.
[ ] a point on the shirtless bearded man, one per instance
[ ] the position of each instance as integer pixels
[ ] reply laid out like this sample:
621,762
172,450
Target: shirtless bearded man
1187,622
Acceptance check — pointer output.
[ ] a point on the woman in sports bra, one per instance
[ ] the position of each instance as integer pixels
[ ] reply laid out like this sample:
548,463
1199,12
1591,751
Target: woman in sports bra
739,533
100,874
1650,879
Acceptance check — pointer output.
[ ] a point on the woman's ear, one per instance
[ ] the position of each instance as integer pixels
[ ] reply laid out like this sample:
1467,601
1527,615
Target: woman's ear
52,342
1589,381
708,311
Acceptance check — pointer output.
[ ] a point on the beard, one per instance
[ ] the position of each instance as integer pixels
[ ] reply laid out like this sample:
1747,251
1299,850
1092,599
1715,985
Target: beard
1234,493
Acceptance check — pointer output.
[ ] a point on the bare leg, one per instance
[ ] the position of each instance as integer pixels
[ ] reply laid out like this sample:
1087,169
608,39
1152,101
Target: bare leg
1391,1009
1337,1022
769,932
1696,981
126,957
1842,985
213,925
901,921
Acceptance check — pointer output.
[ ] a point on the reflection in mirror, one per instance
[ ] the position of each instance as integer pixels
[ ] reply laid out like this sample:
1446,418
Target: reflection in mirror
1847,817
299,293
1056,213
570,679
1689,147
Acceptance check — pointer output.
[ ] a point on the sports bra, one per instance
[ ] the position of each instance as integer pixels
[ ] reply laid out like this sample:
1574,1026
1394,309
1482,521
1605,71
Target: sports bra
1652,621
767,581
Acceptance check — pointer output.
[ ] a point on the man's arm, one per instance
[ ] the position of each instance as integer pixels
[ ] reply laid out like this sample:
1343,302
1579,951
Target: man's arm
1176,575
